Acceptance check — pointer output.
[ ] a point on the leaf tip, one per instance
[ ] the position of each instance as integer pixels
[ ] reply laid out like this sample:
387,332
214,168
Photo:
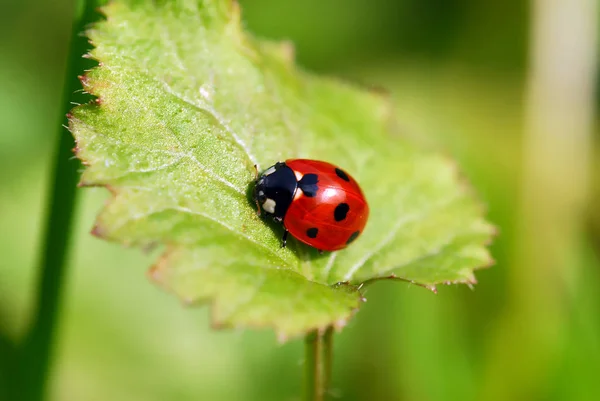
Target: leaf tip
84,79
472,280
432,288
287,52
154,273
338,325
494,231
77,152
98,231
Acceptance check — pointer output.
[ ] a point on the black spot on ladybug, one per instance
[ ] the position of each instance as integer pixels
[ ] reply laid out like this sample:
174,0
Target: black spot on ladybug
342,174
312,232
308,185
341,211
352,237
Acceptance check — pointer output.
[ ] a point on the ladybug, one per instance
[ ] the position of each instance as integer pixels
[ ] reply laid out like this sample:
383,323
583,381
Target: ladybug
317,202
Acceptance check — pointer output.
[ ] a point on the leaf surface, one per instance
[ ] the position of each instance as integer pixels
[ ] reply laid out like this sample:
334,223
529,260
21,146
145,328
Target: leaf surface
188,103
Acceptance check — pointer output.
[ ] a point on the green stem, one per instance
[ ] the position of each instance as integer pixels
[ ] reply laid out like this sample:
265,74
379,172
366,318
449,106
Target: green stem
7,350
318,364
327,360
36,350
314,366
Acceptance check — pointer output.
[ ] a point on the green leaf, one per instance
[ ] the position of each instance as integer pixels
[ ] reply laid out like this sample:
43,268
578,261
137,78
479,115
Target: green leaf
188,103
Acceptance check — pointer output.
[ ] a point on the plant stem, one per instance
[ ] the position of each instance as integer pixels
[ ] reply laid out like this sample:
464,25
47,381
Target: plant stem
318,364
314,366
36,351
7,350
327,360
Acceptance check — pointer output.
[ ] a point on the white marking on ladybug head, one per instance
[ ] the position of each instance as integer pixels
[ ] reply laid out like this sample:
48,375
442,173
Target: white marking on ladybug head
298,175
269,171
269,205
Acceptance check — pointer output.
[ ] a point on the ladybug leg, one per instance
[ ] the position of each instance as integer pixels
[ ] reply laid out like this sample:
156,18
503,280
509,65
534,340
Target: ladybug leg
256,176
320,251
255,172
284,238
257,208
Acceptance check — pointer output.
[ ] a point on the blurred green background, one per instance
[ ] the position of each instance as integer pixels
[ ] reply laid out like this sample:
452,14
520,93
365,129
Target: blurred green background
460,73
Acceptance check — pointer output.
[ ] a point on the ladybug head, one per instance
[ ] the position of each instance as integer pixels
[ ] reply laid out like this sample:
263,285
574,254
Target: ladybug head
275,189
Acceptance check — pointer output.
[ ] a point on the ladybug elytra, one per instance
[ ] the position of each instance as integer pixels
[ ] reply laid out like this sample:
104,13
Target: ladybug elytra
317,202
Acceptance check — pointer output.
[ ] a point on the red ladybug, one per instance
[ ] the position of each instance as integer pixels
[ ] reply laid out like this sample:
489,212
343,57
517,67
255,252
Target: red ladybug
317,202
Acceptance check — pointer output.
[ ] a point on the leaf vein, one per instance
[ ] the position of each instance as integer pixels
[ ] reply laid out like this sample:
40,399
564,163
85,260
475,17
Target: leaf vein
329,265
212,112
232,229
392,234
210,173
